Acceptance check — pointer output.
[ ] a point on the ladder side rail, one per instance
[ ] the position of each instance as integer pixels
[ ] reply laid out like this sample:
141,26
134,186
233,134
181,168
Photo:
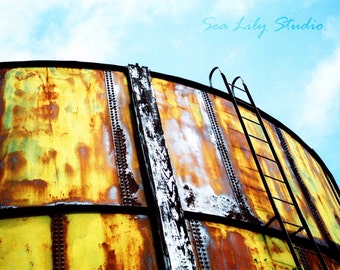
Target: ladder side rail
289,189
258,165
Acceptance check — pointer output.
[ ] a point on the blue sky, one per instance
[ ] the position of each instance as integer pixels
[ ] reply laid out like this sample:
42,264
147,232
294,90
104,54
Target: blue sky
288,52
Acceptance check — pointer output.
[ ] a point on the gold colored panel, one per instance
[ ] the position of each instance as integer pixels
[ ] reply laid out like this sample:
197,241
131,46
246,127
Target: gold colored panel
25,243
235,248
56,138
107,241
318,187
288,213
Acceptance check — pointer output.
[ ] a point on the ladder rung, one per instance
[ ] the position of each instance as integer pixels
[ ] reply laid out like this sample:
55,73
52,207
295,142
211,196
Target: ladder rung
275,198
306,250
275,179
239,88
250,120
299,230
257,138
268,158
270,221
295,225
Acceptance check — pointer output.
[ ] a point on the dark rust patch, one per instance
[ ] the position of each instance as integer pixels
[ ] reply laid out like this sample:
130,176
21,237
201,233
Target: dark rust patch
18,192
110,256
16,161
19,92
51,95
49,111
69,170
46,157
18,110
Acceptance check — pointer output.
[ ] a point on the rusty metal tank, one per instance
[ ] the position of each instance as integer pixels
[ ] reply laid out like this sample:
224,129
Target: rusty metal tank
111,167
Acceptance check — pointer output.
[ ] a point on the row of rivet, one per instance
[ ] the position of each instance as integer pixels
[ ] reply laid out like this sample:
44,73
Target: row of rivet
302,185
58,242
119,141
200,244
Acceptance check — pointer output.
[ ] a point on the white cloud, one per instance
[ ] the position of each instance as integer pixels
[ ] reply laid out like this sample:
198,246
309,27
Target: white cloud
331,28
320,108
85,30
232,8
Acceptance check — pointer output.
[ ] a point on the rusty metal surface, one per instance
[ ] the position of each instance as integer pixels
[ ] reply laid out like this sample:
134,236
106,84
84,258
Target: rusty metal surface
104,241
198,153
227,247
318,186
241,158
25,243
124,145
56,138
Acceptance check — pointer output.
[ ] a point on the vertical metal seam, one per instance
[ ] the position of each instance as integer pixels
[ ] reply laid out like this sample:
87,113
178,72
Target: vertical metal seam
222,148
119,142
303,187
158,165
58,241
201,248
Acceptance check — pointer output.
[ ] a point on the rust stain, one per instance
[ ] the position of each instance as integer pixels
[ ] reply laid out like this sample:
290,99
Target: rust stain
69,170
110,256
16,161
13,190
83,152
49,111
46,157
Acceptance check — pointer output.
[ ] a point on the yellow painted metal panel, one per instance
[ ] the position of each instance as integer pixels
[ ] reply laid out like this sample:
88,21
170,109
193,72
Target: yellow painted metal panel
288,213
25,243
107,241
56,138
318,186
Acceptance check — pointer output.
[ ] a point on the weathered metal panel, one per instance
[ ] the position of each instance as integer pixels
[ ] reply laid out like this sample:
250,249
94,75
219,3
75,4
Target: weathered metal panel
198,167
56,140
294,185
234,248
198,152
221,246
25,243
130,180
106,241
318,186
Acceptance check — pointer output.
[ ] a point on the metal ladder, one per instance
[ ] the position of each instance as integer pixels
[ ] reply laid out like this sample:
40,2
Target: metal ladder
266,177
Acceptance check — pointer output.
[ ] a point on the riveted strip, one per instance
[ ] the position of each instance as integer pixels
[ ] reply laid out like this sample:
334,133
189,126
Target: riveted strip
126,179
222,148
303,187
58,248
304,260
201,244
173,229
